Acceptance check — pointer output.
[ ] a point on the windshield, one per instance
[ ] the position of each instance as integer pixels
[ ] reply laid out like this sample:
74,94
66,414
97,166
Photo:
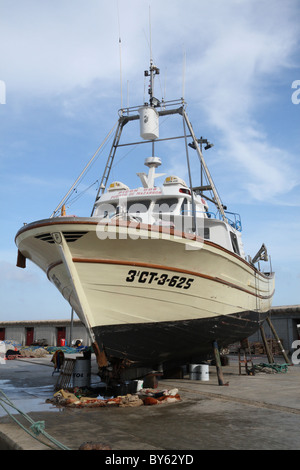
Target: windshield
106,209
165,205
134,207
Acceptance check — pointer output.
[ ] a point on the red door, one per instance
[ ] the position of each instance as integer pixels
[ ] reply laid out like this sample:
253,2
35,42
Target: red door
61,336
29,336
2,334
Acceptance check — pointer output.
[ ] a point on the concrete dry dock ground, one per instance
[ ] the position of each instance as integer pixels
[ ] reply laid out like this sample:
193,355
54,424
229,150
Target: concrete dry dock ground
260,412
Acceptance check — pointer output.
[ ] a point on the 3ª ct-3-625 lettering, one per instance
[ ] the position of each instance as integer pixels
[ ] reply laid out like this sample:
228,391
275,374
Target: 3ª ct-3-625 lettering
149,277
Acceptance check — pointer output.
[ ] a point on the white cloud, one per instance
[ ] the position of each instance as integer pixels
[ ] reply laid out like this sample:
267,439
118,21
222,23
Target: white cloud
236,51
236,73
267,172
50,46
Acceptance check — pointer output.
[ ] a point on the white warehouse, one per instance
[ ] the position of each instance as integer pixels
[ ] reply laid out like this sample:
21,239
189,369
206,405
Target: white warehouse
46,332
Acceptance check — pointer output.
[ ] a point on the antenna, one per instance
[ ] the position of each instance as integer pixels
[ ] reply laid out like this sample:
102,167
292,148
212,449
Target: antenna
183,72
150,38
153,70
120,53
127,93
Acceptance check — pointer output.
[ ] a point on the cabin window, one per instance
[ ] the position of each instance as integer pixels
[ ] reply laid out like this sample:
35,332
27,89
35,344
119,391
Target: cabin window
234,242
140,207
106,209
165,205
206,233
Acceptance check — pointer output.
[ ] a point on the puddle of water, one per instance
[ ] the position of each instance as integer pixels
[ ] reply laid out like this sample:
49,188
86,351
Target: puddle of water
3,382
27,399
27,406
45,391
7,387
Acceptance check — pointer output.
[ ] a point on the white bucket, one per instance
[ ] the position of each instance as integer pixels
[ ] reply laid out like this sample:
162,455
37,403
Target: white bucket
139,385
204,372
194,371
199,372
82,372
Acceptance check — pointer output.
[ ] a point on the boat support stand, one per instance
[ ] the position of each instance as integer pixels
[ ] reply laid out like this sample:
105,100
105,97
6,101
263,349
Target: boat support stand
221,380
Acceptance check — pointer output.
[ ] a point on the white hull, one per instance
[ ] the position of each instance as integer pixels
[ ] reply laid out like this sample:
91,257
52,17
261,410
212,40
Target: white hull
142,275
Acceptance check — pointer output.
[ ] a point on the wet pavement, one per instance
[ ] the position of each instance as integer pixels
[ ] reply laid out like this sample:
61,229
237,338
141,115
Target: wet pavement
260,412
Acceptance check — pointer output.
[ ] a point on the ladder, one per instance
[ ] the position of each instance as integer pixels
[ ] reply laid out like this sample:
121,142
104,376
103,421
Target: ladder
245,358
65,378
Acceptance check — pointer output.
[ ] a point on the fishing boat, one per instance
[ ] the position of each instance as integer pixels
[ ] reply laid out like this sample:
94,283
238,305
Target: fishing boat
156,273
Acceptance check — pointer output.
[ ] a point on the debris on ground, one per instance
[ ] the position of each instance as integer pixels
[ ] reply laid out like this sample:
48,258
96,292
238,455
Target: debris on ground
156,397
271,368
13,350
34,351
77,399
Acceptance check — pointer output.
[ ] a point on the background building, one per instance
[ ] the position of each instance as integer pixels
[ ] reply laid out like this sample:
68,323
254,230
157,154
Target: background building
51,332
286,320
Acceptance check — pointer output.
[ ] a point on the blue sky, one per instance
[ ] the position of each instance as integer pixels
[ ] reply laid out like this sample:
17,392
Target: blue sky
60,65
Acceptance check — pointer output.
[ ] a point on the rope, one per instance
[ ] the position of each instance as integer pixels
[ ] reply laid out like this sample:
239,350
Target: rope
264,367
35,429
38,427
82,173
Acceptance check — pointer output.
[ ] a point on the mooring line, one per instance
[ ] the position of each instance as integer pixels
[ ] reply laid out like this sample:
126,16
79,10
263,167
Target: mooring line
35,429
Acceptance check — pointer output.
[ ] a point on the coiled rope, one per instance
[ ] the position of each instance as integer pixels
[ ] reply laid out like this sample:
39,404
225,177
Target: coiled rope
36,427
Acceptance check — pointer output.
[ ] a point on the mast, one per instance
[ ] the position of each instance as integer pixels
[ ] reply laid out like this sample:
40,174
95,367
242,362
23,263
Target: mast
153,70
123,119
151,134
